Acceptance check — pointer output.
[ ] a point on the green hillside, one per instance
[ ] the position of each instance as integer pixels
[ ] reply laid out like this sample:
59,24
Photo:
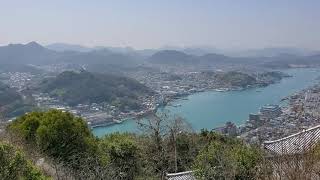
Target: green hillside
85,87
237,79
11,102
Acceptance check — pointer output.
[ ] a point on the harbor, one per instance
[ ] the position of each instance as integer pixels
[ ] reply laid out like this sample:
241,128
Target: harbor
211,109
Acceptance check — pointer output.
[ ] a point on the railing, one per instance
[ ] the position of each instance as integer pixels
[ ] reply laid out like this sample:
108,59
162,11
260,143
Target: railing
187,175
297,143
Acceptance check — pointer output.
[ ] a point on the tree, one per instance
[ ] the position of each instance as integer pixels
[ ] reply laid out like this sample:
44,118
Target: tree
160,142
154,147
226,158
15,166
122,152
177,127
58,134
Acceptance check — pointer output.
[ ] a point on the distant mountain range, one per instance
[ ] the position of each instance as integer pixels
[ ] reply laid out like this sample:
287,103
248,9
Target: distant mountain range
31,53
269,57
61,47
234,52
192,50
14,56
104,59
173,57
272,52
294,61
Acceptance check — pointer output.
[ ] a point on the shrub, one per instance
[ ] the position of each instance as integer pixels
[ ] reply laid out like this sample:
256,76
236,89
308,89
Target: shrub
14,165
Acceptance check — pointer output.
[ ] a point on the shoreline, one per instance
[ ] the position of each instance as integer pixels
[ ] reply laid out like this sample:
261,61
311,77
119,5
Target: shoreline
300,105
217,117
180,97
169,100
109,124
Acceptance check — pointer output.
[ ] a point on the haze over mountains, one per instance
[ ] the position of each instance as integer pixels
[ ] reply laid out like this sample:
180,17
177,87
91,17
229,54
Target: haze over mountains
114,59
192,50
31,53
68,47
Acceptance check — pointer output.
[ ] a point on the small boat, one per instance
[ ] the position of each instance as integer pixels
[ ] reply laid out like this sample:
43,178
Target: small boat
177,105
221,89
117,121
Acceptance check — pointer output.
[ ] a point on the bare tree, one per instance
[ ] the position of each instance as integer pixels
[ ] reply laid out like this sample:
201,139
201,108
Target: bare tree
162,130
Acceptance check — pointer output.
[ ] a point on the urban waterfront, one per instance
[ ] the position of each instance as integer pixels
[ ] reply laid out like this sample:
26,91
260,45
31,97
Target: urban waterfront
213,109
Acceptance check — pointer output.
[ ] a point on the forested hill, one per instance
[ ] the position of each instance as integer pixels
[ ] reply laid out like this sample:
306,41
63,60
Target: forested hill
237,79
11,102
8,95
86,87
241,79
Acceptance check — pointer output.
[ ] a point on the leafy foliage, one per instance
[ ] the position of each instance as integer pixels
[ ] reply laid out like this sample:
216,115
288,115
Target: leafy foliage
226,158
15,166
122,151
60,135
166,147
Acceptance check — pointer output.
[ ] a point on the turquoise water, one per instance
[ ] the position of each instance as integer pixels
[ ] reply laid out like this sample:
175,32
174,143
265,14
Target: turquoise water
213,109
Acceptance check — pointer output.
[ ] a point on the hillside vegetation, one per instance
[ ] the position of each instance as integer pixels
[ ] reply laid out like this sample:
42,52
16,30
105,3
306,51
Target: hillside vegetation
11,102
241,79
236,79
8,95
166,145
85,87
14,165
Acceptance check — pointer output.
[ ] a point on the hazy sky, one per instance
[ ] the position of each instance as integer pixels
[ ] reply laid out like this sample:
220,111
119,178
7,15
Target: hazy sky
155,23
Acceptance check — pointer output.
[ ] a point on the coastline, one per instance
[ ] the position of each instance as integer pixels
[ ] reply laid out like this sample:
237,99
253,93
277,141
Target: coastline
129,118
211,109
180,97
219,88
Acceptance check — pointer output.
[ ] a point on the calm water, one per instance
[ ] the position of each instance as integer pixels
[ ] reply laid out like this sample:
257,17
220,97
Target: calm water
213,109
